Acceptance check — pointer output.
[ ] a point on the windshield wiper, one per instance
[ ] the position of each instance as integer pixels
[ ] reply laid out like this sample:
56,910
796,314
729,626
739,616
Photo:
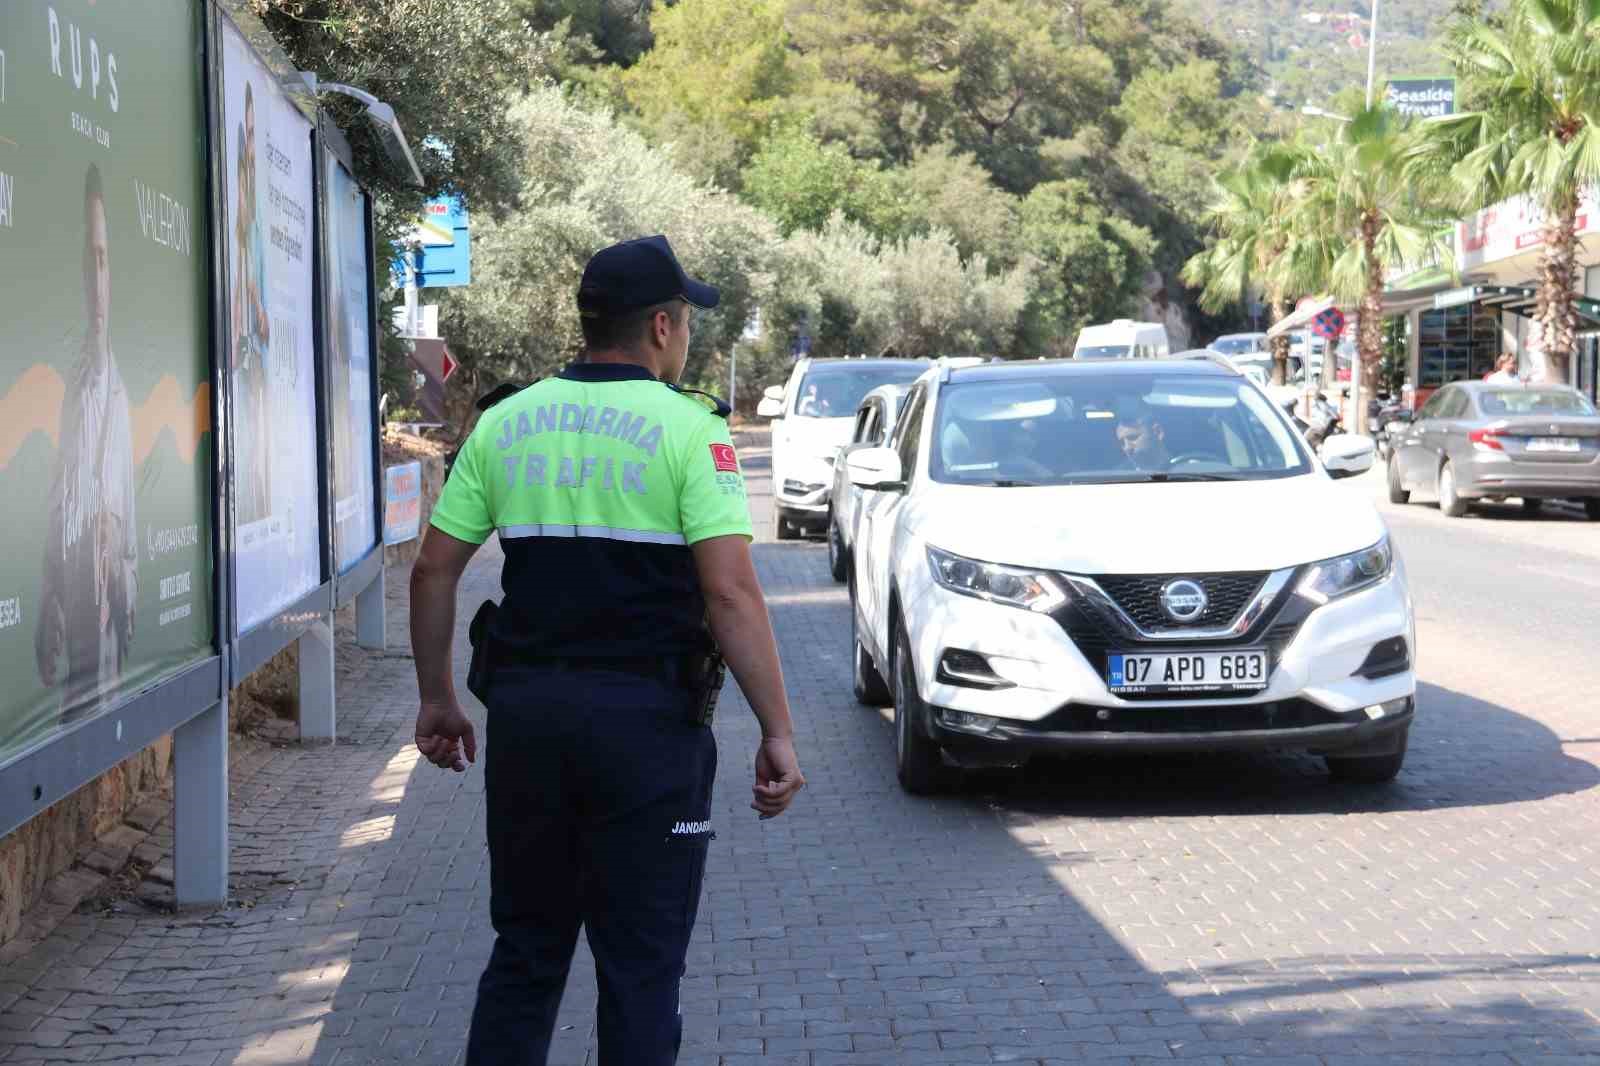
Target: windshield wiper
1181,476
1014,483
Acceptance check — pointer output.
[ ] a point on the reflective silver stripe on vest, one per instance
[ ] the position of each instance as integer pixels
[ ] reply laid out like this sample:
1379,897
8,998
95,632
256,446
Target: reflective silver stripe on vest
636,536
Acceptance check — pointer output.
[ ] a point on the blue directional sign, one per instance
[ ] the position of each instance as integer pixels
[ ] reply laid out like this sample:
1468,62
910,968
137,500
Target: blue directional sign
442,241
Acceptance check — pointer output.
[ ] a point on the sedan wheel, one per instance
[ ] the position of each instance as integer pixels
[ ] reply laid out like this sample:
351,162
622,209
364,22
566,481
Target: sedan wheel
918,762
1591,508
1532,508
1449,503
1397,489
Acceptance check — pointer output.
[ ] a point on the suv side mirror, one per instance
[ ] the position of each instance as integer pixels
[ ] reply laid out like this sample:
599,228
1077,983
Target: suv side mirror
875,468
773,392
1347,454
769,408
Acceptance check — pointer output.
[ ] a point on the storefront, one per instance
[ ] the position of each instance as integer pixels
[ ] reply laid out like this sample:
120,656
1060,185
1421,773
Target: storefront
1456,333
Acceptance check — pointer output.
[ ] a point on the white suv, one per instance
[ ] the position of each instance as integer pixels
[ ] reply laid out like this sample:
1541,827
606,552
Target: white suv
1123,555
814,416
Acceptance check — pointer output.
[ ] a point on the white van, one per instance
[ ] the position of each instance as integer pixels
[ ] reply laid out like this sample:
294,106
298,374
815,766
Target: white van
1122,339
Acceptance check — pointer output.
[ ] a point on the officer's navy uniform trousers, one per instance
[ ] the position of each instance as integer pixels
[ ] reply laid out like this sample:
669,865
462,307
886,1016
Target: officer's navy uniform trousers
599,794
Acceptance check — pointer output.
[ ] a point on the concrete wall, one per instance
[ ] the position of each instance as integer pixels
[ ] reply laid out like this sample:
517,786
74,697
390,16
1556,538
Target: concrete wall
51,863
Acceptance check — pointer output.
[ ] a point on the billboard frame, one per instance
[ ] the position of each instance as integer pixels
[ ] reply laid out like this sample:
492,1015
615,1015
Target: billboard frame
191,703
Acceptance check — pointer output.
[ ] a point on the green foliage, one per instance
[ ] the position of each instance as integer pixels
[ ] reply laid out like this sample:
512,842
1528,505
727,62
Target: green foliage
1091,264
997,78
611,31
590,182
801,182
720,72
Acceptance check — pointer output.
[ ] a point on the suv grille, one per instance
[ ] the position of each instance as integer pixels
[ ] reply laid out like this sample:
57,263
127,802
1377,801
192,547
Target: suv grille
1139,596
1096,634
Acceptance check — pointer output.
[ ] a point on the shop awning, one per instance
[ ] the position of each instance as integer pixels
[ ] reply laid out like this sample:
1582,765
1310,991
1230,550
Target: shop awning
1519,300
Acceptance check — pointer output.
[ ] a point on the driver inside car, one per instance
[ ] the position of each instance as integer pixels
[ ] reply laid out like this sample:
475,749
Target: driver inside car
1143,438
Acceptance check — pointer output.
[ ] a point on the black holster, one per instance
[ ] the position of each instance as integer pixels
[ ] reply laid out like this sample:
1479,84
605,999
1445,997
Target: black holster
478,634
706,675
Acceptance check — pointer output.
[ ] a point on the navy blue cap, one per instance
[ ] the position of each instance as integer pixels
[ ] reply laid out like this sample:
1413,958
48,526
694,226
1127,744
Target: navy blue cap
635,274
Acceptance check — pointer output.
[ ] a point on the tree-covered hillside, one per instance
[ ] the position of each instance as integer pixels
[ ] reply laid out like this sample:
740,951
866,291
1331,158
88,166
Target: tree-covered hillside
1313,49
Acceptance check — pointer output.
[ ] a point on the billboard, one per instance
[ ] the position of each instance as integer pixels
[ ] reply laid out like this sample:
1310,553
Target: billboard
349,366
105,400
1422,97
268,247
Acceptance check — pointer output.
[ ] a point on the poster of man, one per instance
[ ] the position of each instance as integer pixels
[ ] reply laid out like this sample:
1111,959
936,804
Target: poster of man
91,557
252,329
105,375
268,247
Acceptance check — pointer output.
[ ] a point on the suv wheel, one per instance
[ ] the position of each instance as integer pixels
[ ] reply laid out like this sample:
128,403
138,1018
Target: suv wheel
1368,769
783,529
1397,490
868,685
918,762
1450,504
837,564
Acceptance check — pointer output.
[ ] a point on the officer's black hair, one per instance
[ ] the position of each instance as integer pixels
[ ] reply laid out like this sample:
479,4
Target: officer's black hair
93,187
603,332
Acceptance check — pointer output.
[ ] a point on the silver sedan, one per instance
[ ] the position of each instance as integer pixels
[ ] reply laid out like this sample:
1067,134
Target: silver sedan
1477,441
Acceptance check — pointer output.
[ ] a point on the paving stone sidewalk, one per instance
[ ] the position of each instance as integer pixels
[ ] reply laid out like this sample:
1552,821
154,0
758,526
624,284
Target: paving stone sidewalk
1235,911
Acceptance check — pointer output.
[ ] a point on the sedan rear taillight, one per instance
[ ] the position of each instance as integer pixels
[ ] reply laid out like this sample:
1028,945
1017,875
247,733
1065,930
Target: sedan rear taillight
1486,439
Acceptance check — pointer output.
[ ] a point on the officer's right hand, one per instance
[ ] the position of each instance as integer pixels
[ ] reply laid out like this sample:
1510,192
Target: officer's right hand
443,732
778,776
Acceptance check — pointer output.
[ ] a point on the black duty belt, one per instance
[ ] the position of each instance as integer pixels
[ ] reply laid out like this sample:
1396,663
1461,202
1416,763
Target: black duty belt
672,669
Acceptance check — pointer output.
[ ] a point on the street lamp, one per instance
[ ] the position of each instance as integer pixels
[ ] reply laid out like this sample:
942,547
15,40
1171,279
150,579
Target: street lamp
382,117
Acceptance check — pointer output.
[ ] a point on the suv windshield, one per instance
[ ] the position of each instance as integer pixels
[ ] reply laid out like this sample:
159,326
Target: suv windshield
835,390
1534,402
1104,351
1236,345
1098,429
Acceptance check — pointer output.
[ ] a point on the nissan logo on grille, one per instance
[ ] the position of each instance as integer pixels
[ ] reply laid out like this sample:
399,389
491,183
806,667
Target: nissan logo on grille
1183,600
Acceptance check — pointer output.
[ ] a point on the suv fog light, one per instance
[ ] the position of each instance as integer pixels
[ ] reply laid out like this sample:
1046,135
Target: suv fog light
800,488
1387,709
967,722
1387,658
968,669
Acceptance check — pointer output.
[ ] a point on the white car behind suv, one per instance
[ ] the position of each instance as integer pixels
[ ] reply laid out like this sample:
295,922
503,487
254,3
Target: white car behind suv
814,415
1123,555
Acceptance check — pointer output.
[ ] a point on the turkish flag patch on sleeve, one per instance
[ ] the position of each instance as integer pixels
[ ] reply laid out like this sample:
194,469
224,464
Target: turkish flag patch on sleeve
724,459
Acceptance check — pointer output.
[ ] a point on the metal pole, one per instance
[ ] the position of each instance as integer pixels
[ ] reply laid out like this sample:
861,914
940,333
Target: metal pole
1358,415
733,374
1372,53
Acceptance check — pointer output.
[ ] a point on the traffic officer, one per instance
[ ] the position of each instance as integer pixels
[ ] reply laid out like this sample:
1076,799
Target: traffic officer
621,509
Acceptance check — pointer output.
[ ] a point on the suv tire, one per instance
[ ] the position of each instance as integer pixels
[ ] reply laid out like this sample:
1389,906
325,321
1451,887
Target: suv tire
1368,769
838,563
918,761
783,529
867,683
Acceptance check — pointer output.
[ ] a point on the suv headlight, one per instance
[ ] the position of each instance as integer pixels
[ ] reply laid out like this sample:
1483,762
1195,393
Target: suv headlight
1032,590
1332,578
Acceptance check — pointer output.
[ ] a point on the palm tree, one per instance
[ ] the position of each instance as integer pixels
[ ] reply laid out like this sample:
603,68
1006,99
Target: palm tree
1254,222
1368,209
1537,75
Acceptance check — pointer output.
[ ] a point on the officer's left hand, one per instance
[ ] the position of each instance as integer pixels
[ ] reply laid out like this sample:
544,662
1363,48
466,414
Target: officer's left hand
443,732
